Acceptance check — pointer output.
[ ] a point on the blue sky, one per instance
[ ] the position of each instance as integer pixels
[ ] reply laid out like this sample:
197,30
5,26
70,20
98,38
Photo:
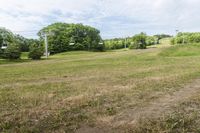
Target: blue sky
114,18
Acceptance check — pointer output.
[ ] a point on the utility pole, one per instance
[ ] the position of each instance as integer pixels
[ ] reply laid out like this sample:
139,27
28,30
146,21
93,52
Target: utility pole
177,31
125,43
46,43
184,37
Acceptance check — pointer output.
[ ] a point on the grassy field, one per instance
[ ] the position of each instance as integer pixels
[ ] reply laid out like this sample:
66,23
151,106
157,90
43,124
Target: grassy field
152,90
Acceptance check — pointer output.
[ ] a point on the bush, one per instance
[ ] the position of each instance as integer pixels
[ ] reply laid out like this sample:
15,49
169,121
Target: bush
114,44
35,53
139,45
140,41
150,40
172,41
132,46
12,52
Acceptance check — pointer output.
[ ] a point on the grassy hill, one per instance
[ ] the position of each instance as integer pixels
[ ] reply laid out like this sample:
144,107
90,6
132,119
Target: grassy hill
182,50
117,91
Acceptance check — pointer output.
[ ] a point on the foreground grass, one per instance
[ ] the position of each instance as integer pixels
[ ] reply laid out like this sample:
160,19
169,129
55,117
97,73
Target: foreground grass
79,91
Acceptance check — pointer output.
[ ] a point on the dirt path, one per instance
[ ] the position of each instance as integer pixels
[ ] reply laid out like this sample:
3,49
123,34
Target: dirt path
159,106
155,109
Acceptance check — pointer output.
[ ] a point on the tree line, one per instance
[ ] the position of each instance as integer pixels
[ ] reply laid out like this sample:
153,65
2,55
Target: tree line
138,41
186,37
64,37
12,45
81,37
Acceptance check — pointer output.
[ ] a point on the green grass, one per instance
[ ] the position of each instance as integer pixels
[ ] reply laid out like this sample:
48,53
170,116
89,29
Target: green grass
182,50
73,90
163,43
24,55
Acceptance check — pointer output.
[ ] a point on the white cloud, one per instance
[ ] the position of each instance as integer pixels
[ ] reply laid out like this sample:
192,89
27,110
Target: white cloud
112,17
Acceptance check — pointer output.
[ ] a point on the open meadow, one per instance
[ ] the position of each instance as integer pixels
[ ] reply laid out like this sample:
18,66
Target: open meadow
151,90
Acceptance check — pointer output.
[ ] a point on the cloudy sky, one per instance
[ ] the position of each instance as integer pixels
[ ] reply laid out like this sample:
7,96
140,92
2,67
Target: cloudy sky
114,18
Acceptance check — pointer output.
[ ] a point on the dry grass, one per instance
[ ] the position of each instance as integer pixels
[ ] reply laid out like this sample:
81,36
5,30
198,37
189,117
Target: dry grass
93,92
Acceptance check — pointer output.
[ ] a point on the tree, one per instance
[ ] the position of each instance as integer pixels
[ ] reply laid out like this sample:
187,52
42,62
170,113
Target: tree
139,41
12,52
150,40
83,37
6,37
116,43
35,52
187,37
161,36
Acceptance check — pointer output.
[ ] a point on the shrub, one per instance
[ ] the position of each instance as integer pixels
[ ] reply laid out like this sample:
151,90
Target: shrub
140,41
172,41
150,40
114,44
132,46
35,53
12,52
139,45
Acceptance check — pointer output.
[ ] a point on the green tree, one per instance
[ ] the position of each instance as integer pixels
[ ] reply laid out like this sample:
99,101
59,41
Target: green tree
6,37
83,37
12,52
139,41
23,43
35,52
116,43
161,36
187,37
150,40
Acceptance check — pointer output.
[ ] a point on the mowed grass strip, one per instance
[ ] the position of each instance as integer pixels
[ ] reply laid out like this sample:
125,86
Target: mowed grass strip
87,89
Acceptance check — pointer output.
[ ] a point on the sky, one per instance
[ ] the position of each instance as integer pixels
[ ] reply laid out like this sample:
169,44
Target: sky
114,18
